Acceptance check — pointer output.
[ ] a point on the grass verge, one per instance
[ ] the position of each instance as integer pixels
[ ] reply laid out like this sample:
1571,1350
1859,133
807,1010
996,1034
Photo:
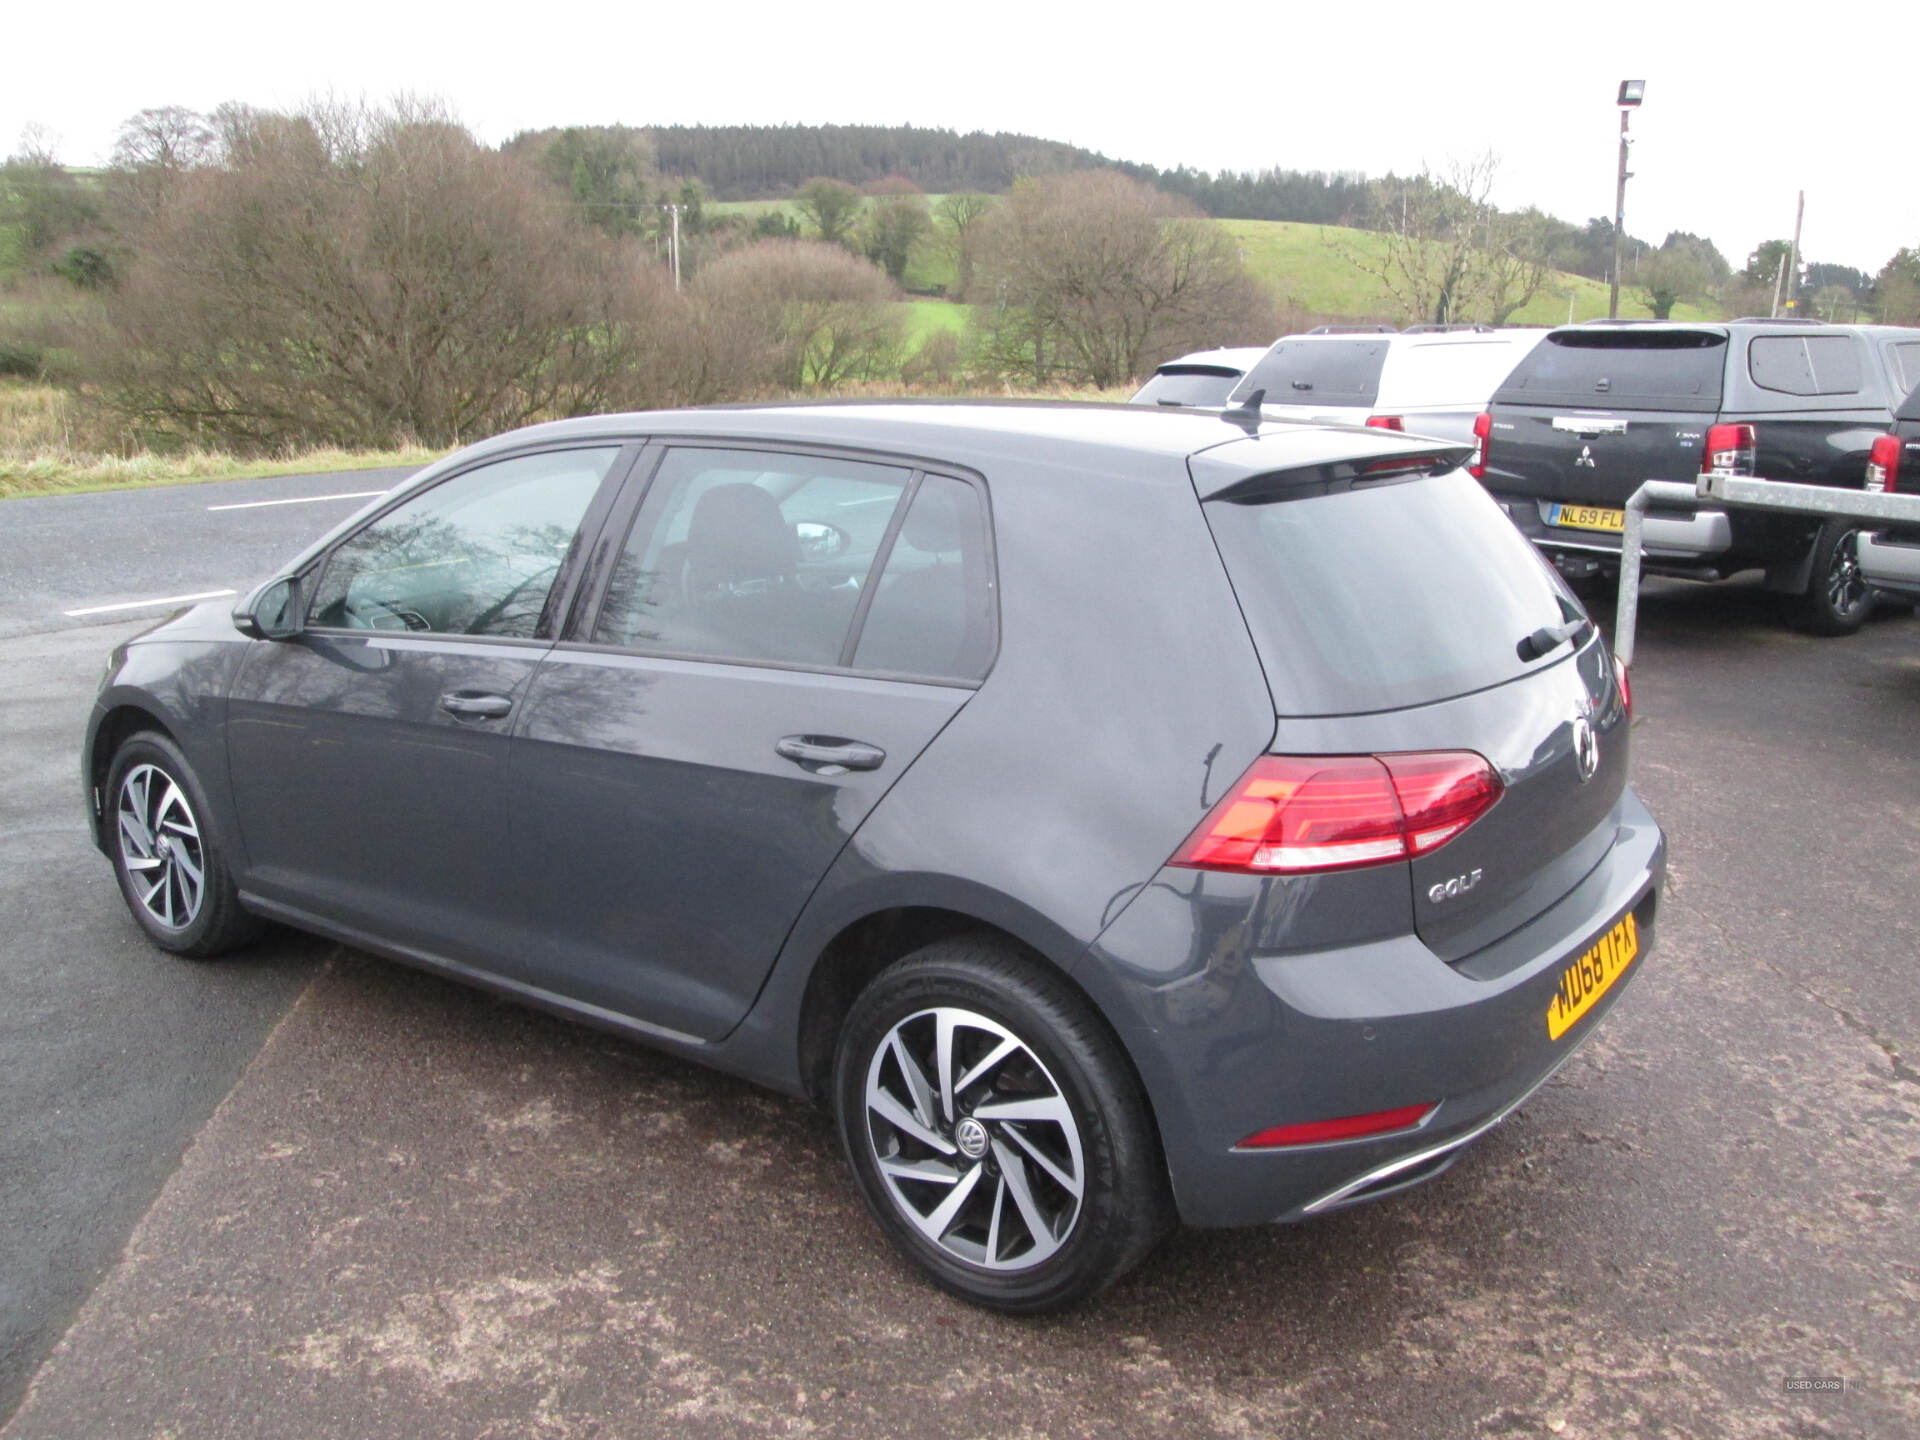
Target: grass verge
43,451
39,454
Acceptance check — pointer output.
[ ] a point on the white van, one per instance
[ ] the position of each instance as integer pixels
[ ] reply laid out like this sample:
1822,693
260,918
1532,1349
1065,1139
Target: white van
1427,380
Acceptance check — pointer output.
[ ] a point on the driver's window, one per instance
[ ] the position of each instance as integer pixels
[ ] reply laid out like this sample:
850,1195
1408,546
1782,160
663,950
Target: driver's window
749,555
475,555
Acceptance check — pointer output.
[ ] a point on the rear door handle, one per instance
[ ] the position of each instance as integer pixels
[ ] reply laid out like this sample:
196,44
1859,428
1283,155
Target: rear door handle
830,753
475,705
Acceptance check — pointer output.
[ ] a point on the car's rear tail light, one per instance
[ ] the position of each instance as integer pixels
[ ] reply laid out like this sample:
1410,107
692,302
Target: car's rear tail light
1301,814
1626,685
1482,439
1883,464
1385,422
1349,1127
1728,451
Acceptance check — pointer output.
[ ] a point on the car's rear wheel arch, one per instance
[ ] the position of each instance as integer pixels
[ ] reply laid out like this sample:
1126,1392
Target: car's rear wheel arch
862,949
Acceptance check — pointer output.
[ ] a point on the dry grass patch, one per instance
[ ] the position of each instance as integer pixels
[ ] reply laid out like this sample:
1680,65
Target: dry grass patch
47,447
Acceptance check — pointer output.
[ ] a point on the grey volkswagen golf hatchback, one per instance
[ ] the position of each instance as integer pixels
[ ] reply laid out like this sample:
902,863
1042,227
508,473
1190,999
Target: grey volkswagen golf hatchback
1114,816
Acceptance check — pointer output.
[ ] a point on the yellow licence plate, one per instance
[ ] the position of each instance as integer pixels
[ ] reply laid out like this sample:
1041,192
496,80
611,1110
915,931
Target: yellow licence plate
1588,978
1587,517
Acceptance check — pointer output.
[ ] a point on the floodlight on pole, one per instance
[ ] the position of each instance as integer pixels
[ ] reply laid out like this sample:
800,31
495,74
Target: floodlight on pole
1632,92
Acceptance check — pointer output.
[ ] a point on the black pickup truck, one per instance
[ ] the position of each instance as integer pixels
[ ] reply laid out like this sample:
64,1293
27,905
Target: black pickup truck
1597,408
1890,558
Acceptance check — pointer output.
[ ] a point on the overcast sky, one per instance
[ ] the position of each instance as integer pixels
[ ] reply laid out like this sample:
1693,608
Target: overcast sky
1741,110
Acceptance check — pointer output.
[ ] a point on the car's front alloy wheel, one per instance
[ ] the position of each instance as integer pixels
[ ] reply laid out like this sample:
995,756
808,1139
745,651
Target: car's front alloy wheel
170,868
161,847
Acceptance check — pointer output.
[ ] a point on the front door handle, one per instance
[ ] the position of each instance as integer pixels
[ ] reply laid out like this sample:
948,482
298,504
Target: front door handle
830,754
475,705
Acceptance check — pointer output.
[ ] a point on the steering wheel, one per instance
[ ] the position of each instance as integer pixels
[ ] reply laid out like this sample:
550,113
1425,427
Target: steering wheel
482,623
357,619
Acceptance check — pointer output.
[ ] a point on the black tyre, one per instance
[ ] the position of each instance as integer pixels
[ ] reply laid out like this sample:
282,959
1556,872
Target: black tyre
996,1132
1838,598
171,870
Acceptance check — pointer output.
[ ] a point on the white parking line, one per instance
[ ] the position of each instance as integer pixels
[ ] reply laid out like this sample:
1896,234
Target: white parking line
145,604
301,500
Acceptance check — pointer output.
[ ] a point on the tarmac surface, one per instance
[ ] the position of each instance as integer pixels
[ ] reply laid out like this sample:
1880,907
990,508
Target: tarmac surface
420,1211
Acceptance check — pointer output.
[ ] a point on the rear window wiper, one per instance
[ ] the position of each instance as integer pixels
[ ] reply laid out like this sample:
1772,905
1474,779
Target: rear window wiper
1549,637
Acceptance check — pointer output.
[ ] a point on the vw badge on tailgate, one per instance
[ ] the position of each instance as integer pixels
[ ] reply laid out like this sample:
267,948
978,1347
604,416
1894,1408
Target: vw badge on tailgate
1586,748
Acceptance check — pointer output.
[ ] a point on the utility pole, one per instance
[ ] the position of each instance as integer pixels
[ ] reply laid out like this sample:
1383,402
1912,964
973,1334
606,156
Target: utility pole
1631,94
1793,253
673,244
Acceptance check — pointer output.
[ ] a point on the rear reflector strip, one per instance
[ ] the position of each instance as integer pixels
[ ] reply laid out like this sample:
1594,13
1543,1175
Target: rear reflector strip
1350,1127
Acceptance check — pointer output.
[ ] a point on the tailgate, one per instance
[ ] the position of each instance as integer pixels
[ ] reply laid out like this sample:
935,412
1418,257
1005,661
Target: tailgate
1589,457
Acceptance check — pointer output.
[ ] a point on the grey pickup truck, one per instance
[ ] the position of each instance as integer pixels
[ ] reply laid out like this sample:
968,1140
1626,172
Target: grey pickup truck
1596,408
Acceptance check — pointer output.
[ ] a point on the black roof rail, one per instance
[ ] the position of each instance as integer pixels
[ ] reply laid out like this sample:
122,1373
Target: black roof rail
1603,320
1476,327
1353,330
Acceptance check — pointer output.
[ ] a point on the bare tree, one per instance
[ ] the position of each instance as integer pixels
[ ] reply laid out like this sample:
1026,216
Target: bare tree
1096,277
811,315
168,138
355,276
956,217
1444,252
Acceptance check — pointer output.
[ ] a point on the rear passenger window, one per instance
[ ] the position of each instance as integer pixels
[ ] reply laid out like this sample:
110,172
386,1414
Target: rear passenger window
1805,364
1318,371
1906,363
932,612
749,555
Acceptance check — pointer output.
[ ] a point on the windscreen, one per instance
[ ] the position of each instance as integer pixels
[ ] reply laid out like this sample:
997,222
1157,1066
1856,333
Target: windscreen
1318,370
1387,596
1189,385
1621,370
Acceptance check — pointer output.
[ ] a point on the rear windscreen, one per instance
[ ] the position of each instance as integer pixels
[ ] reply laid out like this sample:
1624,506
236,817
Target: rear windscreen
1317,370
1375,599
1195,385
1622,370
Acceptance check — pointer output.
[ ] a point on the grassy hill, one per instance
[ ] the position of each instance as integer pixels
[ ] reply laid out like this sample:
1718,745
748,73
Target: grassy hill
1309,266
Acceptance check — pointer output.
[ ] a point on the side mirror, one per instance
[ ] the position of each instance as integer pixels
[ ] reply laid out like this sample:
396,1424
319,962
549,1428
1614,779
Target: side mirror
273,612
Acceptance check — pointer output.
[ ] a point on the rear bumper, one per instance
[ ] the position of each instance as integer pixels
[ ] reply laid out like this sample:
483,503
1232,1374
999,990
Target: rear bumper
1891,562
1701,536
1231,1041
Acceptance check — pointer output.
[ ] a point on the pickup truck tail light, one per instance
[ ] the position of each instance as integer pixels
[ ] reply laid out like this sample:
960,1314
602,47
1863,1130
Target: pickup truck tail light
1883,464
1728,451
1482,439
1385,422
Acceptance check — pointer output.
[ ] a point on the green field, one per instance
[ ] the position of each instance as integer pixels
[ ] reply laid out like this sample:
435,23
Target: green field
1304,266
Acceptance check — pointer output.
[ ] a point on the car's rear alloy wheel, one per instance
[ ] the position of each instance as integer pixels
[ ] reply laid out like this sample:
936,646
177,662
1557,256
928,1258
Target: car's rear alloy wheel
171,872
974,1138
998,1134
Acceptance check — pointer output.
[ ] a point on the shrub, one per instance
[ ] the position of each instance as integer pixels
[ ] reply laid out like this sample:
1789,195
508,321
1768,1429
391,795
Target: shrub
1094,278
798,314
360,277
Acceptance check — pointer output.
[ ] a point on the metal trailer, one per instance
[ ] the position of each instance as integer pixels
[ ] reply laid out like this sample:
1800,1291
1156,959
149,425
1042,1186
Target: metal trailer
1740,492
